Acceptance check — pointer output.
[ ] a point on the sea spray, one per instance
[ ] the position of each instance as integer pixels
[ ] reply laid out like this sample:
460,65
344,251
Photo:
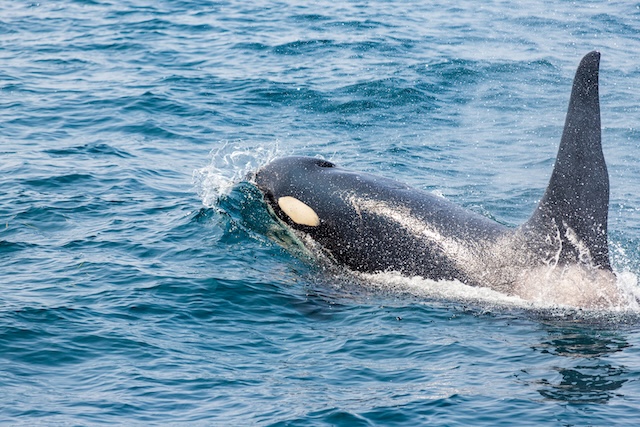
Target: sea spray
230,164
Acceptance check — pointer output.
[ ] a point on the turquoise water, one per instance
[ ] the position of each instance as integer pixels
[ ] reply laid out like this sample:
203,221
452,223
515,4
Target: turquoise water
139,287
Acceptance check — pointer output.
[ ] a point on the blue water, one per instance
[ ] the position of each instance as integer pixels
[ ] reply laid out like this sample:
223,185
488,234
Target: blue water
139,286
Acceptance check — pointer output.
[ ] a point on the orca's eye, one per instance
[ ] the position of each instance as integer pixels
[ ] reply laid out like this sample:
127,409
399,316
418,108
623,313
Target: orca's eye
324,164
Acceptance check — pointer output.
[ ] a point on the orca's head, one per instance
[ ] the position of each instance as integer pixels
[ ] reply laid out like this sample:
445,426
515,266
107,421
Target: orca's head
297,190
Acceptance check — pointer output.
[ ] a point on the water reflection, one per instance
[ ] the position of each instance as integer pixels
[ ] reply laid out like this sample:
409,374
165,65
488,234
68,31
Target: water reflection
583,374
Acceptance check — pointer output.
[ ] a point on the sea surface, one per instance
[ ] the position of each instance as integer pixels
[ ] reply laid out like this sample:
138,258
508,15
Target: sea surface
138,283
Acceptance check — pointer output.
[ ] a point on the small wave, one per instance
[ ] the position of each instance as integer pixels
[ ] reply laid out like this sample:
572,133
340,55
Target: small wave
300,47
89,150
230,164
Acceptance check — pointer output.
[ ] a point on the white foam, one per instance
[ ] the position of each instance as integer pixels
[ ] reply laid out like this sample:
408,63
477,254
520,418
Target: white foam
449,290
579,287
230,164
567,290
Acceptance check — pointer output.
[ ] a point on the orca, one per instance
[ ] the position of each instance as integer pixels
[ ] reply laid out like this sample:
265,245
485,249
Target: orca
373,224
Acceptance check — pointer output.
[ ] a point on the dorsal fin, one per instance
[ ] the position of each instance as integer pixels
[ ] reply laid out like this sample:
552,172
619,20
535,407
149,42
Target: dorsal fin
576,203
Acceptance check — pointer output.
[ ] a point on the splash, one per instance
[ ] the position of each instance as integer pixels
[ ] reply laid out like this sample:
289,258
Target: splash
230,164
579,286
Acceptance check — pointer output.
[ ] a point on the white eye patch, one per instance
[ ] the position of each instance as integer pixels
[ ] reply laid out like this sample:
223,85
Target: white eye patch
298,211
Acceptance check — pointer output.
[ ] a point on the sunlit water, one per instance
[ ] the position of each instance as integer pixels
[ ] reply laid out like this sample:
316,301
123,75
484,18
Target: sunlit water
146,284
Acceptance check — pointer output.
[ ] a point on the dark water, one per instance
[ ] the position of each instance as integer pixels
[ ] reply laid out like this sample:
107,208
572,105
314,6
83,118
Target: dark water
139,287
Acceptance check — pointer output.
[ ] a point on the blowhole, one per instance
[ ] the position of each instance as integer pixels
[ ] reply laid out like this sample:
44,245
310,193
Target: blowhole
325,164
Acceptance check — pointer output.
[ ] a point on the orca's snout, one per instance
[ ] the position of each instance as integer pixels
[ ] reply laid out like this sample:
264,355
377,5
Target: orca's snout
285,173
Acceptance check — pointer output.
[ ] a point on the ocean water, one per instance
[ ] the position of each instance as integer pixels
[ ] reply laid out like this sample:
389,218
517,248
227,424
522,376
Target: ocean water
141,281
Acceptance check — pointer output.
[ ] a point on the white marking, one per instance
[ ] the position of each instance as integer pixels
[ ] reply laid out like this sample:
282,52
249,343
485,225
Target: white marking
584,254
299,212
403,217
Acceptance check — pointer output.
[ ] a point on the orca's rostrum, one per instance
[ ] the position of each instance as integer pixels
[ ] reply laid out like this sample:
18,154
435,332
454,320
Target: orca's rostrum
372,224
